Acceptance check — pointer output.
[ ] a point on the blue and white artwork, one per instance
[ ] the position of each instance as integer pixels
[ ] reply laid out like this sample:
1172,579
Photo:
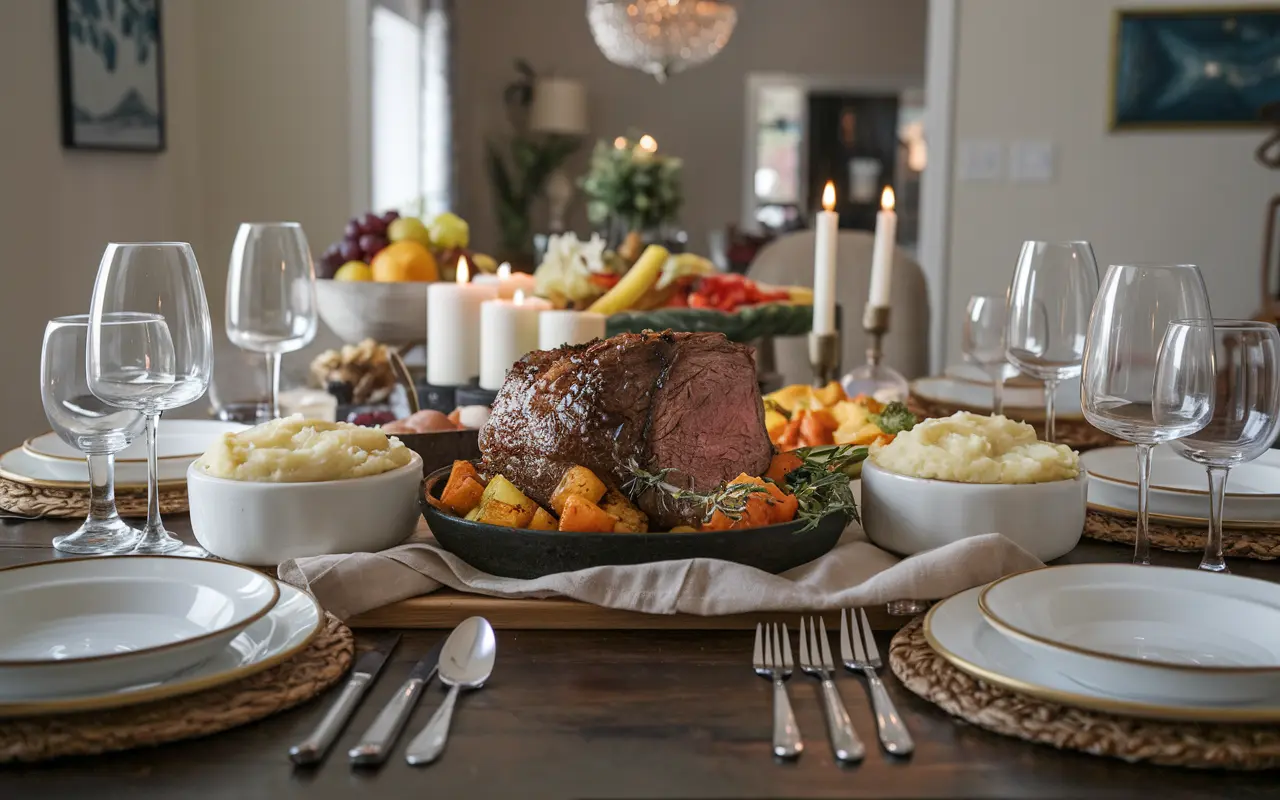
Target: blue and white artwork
1195,66
112,74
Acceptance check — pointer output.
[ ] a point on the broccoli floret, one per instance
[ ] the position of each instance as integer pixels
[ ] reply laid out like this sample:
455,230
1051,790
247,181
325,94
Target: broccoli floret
895,418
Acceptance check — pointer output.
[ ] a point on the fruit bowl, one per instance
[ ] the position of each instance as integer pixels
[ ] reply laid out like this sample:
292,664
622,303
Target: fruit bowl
390,313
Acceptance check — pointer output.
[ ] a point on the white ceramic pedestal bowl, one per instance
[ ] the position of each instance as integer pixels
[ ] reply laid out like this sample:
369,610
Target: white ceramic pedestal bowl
906,515
263,524
391,313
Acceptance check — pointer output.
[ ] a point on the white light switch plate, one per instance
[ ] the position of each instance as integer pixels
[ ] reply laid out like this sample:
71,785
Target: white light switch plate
1031,161
980,160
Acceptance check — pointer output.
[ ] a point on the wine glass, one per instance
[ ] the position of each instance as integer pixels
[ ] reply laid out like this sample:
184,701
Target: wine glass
90,426
984,329
1239,388
1126,329
162,360
1053,288
271,295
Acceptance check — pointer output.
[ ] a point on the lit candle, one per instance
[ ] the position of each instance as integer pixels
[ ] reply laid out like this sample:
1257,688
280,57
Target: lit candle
826,230
646,147
453,328
556,328
509,282
882,254
508,330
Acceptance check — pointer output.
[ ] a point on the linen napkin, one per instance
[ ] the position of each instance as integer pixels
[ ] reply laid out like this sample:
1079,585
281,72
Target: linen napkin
854,573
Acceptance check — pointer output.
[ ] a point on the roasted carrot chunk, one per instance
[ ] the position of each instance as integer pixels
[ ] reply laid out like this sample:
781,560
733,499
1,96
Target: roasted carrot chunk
580,515
463,496
781,465
461,471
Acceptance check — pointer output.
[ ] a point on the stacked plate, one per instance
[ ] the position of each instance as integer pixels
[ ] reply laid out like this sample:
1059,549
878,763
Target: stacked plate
1155,642
1179,489
968,388
104,632
46,460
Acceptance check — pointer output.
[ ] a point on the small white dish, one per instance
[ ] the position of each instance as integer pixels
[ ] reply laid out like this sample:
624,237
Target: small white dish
176,440
1180,488
286,629
1146,632
90,624
956,630
1025,403
266,523
906,515
20,466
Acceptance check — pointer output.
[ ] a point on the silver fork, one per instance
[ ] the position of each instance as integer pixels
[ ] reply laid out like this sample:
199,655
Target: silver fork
772,660
866,659
815,659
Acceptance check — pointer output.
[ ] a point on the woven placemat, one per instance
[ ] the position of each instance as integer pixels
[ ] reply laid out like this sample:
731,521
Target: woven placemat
1074,433
1258,543
51,501
268,692
929,675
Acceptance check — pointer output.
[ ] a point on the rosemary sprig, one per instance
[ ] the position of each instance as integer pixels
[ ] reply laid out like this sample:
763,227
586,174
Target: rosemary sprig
728,499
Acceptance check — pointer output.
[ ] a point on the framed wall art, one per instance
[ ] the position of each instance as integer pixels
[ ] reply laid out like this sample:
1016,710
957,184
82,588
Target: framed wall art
112,74
1211,66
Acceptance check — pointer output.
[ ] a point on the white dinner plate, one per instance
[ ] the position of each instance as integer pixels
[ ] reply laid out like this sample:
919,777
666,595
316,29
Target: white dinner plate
1020,402
275,638
972,373
1180,488
956,630
92,624
21,466
177,439
1153,633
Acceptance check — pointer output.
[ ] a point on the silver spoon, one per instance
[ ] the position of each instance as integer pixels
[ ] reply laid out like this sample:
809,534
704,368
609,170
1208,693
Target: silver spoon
466,662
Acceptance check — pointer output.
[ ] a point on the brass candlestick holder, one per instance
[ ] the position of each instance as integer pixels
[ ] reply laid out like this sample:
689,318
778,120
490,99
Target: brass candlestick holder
824,357
874,378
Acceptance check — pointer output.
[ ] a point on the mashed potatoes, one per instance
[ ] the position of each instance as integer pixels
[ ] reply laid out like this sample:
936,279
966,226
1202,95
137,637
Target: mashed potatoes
297,450
969,448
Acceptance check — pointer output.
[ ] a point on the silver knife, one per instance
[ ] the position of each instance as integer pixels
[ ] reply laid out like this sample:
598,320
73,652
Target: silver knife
312,749
380,738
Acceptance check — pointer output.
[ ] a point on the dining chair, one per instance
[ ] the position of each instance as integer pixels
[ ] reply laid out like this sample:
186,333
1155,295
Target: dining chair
789,261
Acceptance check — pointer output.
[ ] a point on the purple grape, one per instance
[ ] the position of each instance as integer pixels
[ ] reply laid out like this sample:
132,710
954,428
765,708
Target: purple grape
390,217
352,231
327,265
372,224
350,251
370,419
371,244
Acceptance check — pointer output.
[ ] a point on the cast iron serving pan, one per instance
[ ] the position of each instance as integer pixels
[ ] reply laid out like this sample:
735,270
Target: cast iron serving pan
519,553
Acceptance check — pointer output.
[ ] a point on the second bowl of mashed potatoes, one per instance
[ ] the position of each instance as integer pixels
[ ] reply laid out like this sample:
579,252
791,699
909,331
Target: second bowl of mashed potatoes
966,475
296,487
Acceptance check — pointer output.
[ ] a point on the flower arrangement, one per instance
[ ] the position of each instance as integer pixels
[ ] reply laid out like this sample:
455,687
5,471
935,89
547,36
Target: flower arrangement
629,182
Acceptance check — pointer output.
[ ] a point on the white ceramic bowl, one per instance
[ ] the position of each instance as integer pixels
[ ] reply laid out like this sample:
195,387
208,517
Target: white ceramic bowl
906,515
391,313
266,523
83,625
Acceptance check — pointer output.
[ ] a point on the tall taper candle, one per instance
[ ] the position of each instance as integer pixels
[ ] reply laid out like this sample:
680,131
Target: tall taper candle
882,253
826,229
453,328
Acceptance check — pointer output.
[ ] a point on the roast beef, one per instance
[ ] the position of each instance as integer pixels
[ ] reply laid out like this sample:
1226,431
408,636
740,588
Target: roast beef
684,402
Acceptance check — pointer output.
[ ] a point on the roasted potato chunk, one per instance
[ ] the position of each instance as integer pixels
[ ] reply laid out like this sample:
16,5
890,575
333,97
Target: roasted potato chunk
511,508
577,482
630,518
543,521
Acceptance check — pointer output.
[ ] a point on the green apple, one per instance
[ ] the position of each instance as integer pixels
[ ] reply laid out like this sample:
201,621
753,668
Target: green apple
409,229
449,231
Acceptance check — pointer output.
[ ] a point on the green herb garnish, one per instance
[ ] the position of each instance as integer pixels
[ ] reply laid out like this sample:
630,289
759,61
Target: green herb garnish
728,499
895,418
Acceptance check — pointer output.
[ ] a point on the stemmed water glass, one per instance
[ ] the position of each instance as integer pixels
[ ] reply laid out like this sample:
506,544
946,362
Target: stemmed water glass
90,426
984,330
271,295
1117,389
1239,388
1053,289
163,360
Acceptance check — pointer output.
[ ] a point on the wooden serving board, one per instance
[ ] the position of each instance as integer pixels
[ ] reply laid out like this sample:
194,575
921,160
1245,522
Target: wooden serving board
447,608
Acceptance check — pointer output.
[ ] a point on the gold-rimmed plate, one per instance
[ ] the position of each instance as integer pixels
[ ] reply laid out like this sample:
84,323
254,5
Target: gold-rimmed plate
176,440
21,467
972,373
275,638
1185,522
956,630
1019,402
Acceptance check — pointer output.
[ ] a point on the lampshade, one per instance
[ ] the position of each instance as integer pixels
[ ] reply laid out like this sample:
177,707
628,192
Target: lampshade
559,106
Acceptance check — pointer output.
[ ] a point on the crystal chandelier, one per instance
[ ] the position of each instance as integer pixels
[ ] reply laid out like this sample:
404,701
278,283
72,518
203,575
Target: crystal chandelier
661,37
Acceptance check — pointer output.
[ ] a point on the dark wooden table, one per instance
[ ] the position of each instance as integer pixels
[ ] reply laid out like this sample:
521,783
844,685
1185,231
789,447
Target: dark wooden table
615,715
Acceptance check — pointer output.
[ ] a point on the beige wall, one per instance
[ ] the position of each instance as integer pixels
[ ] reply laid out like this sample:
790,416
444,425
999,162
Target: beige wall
698,115
1040,69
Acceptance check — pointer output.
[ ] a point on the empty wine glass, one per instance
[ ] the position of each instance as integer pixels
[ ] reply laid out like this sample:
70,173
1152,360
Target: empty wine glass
1053,289
90,426
162,361
984,330
1239,390
271,295
1126,329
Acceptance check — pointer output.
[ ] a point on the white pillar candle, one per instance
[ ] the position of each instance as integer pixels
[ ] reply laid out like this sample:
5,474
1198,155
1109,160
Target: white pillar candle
453,328
882,254
556,328
826,229
508,330
509,282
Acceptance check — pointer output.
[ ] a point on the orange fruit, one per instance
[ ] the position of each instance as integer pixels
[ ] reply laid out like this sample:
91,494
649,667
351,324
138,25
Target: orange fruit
404,261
